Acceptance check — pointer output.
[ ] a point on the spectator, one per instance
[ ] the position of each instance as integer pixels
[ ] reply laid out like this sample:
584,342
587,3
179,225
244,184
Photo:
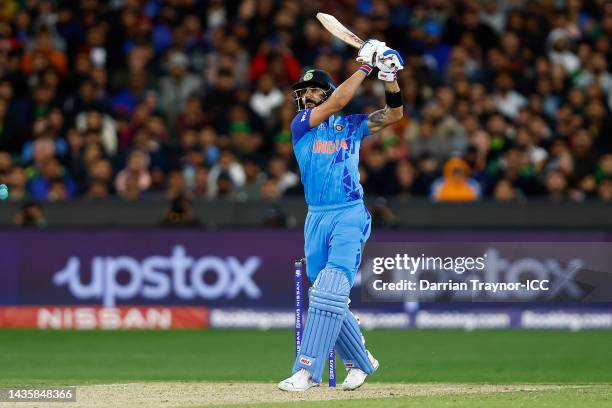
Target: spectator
378,171
277,60
221,98
200,185
514,166
232,171
455,185
604,167
178,86
97,190
44,179
103,125
208,139
224,187
556,185
135,176
8,132
427,167
44,52
31,215
597,73
266,98
504,191
559,43
278,171
131,188
254,179
192,116
57,190
270,190
127,98
17,181
100,171
523,94
274,218
176,185
405,175
179,213
604,190
508,101
43,134
6,164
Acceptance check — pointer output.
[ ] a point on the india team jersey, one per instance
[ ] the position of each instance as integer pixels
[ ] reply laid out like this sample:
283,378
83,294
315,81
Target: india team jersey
328,156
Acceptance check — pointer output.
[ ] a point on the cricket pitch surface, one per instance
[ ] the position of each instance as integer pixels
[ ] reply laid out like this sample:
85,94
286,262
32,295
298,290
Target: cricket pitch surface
187,394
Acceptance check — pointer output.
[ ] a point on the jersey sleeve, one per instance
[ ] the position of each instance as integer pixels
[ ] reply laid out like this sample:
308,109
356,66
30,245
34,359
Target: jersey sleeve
360,122
300,125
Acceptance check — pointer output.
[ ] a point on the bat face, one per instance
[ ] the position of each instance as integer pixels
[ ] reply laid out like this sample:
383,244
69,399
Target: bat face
338,30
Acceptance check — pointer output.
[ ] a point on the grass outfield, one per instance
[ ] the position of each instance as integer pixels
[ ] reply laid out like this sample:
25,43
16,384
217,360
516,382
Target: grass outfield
508,356
579,361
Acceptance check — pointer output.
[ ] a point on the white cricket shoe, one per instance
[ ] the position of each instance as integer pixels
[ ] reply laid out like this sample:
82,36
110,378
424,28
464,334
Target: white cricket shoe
300,381
355,377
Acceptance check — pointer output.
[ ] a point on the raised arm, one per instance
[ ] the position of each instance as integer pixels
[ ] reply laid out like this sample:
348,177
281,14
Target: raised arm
388,115
339,98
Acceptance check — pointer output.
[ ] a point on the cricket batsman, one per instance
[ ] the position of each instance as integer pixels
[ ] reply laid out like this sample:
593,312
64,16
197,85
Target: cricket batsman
337,226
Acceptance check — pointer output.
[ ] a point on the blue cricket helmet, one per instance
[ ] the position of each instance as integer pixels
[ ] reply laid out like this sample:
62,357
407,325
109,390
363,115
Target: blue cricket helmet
312,78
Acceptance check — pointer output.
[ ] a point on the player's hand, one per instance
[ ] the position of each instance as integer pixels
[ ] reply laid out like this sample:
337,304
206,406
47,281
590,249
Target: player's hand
368,50
387,76
389,62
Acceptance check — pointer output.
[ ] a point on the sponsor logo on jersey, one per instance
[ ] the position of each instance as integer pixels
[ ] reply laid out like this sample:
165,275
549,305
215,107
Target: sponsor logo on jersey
306,361
328,146
339,128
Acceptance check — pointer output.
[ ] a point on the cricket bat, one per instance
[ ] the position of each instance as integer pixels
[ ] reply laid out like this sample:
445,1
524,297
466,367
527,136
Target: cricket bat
338,30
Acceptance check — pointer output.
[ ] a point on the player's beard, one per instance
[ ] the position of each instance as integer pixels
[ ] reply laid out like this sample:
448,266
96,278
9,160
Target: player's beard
310,103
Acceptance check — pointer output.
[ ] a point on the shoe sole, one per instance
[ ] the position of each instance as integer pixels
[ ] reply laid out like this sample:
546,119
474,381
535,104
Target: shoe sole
297,390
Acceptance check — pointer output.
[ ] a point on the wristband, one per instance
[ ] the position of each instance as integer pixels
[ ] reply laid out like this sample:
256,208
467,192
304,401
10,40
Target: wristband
394,99
366,69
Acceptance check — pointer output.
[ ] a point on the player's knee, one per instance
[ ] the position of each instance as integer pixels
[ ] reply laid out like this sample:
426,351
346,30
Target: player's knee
346,266
330,292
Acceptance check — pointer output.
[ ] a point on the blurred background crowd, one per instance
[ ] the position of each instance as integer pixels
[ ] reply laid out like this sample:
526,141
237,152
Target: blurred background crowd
189,99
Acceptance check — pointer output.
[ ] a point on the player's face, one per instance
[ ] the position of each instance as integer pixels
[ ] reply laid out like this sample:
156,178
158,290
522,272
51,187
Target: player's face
313,97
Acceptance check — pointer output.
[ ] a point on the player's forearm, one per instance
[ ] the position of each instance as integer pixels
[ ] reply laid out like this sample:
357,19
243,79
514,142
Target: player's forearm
398,112
392,87
391,113
347,90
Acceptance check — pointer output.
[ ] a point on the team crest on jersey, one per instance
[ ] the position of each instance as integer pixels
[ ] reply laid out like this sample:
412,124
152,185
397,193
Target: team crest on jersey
338,128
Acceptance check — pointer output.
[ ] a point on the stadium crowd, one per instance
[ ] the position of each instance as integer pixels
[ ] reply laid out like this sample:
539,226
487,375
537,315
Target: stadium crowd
506,100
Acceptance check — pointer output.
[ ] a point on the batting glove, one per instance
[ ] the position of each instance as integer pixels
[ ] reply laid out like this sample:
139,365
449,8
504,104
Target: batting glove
389,60
387,76
367,51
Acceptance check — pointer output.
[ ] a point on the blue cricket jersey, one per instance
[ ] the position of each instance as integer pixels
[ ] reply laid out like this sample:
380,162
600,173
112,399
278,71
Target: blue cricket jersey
328,156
